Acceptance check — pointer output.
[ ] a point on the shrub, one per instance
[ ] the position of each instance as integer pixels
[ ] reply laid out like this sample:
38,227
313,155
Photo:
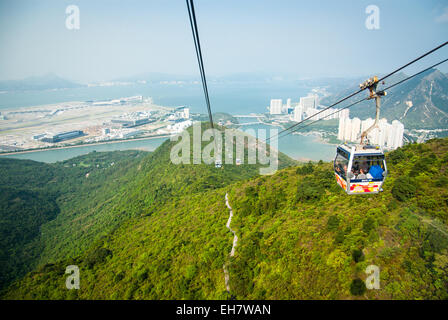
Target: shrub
305,169
142,275
308,191
119,276
427,203
397,156
97,256
357,287
422,165
404,188
333,223
368,225
339,238
442,181
357,255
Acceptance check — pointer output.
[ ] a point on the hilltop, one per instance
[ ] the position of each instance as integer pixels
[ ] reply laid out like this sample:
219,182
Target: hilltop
300,236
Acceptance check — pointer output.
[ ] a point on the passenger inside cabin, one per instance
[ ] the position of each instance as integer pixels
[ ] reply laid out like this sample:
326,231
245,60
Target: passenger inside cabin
350,174
355,168
376,172
364,166
361,175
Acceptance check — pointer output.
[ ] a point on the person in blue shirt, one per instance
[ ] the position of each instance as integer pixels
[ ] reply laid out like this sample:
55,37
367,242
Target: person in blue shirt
376,172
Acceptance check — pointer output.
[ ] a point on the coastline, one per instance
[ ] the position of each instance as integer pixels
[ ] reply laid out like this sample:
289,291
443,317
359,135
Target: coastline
82,145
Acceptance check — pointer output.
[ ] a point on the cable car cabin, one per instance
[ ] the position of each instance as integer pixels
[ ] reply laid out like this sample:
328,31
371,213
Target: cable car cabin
360,169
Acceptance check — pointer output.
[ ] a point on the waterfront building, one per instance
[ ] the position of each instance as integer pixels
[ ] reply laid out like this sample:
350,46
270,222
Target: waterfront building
341,129
389,136
355,129
309,102
344,113
276,106
62,136
298,112
397,133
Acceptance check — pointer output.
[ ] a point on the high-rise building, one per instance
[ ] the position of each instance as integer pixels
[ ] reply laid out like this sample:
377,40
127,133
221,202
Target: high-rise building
276,106
310,112
344,113
286,109
397,132
298,112
356,128
365,124
309,102
347,129
341,129
328,114
187,113
390,136
385,135
382,132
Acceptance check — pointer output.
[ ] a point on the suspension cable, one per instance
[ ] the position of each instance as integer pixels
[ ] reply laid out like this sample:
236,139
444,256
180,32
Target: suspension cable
359,101
414,75
359,91
413,61
197,44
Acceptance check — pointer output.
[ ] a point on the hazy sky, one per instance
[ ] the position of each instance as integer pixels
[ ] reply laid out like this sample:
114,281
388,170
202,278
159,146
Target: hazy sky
306,38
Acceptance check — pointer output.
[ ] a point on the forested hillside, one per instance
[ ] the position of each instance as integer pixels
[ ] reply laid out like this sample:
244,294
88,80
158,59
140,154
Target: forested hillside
300,236
37,197
54,211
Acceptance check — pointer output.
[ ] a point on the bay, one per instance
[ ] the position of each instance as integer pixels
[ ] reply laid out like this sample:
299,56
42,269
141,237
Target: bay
54,155
234,98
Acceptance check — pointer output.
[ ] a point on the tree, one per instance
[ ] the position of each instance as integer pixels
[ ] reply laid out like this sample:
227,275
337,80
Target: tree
368,225
357,255
333,223
357,287
404,188
306,169
397,156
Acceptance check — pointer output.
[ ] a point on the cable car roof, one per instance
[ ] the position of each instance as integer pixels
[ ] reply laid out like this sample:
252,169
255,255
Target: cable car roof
361,149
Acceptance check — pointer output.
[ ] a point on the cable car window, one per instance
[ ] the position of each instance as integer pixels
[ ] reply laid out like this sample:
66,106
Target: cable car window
341,164
368,167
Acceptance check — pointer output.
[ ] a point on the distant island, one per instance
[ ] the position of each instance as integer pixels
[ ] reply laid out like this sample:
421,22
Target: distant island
47,82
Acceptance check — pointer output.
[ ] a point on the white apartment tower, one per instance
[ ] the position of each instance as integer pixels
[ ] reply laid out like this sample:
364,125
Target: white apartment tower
276,106
386,135
309,102
355,129
397,132
348,130
343,119
344,113
298,112
341,129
